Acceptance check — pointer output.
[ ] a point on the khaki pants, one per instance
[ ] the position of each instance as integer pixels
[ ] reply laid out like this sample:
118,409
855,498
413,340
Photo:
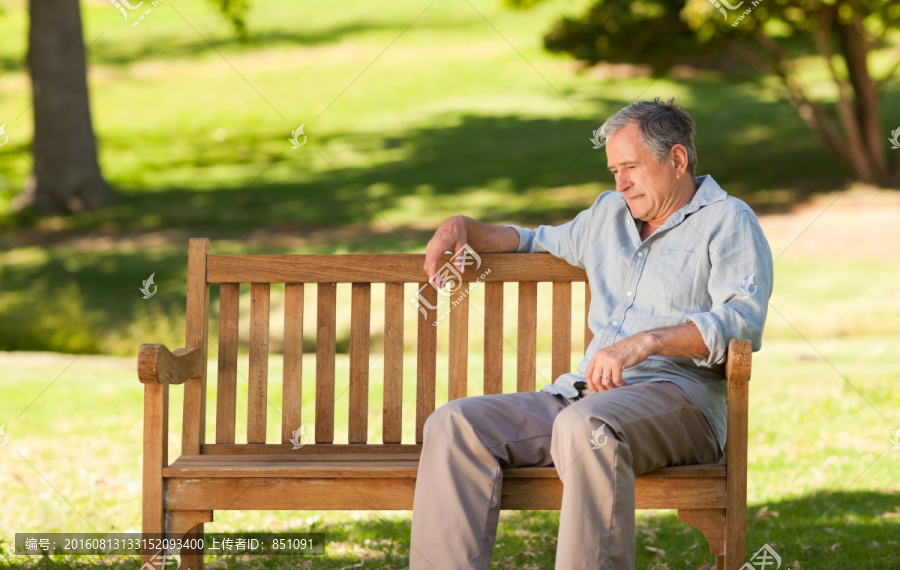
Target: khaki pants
467,441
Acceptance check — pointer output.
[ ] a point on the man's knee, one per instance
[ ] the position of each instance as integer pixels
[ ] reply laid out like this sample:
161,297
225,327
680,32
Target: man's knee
584,429
442,420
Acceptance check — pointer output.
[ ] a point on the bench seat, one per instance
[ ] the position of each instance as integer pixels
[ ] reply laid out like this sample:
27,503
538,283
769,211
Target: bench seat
390,479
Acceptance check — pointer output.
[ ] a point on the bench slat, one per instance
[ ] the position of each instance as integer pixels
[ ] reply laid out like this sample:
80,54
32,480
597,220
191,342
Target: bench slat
459,343
562,329
393,363
325,347
388,491
360,304
335,451
493,338
527,341
426,362
226,392
259,363
293,361
380,268
193,432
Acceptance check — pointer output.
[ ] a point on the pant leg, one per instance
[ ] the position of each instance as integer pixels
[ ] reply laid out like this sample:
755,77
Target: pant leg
647,426
467,441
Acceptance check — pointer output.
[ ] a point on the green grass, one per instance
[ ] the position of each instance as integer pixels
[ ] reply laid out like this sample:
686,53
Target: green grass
821,464
823,405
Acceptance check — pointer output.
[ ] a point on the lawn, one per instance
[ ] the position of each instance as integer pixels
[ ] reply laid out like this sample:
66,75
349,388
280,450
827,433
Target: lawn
414,112
821,486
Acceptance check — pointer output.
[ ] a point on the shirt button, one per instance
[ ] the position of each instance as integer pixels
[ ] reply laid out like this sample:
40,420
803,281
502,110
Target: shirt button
640,254
615,323
628,293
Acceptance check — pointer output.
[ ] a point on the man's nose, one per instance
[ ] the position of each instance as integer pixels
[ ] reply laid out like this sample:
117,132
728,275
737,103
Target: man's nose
623,182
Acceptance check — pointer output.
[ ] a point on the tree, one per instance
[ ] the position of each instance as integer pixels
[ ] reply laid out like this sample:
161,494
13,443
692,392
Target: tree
770,35
65,175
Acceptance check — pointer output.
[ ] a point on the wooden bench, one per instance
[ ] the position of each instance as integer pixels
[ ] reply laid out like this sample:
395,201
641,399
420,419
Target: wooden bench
221,474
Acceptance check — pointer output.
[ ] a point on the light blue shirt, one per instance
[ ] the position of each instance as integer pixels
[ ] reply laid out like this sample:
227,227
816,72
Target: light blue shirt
709,263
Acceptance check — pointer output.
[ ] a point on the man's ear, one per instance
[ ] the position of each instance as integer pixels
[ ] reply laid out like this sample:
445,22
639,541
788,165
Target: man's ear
679,157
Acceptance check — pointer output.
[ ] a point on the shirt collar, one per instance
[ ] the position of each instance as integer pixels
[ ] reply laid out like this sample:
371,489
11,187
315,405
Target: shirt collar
708,192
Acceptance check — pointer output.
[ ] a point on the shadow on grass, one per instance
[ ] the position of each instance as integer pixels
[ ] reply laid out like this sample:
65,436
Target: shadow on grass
499,169
483,160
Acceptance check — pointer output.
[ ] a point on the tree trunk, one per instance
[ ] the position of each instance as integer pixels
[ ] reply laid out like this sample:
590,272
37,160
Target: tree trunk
855,48
66,175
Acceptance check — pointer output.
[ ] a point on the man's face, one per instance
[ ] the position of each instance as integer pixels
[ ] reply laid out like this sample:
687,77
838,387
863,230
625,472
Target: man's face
649,187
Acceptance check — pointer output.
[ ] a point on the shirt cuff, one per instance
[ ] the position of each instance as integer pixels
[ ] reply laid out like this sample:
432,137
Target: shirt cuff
712,338
526,237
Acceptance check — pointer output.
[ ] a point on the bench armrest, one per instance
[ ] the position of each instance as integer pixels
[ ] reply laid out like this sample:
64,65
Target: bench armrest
157,365
737,366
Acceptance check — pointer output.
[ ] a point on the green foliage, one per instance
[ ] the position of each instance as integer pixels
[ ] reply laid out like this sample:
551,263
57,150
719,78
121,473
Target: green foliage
661,33
650,32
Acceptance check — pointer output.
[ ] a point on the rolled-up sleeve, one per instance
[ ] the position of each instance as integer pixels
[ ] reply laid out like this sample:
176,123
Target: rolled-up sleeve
526,237
566,241
740,285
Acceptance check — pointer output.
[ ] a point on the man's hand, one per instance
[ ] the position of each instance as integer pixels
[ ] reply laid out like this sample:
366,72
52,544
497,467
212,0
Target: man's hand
605,370
450,236
460,231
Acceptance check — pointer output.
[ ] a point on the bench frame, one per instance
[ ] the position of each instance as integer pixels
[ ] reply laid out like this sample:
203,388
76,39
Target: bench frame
179,497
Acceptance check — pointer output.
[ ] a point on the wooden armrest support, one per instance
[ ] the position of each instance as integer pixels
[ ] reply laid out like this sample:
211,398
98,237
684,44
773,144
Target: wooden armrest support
157,365
737,366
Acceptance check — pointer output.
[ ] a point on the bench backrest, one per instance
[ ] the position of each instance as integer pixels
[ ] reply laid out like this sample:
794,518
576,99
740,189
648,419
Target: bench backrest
361,271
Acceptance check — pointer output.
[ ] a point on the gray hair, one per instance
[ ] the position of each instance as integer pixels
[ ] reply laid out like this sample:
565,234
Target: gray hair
663,125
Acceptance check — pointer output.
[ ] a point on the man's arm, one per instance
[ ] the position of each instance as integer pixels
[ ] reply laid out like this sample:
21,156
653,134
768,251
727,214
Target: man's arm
606,366
458,231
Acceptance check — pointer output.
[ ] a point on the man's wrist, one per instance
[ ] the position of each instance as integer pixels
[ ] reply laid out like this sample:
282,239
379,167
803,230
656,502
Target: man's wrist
652,343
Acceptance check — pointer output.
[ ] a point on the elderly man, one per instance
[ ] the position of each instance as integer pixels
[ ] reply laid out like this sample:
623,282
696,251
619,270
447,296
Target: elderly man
677,268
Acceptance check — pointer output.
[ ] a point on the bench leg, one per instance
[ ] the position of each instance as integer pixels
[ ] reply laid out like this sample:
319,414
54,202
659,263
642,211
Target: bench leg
156,421
711,523
188,524
720,562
